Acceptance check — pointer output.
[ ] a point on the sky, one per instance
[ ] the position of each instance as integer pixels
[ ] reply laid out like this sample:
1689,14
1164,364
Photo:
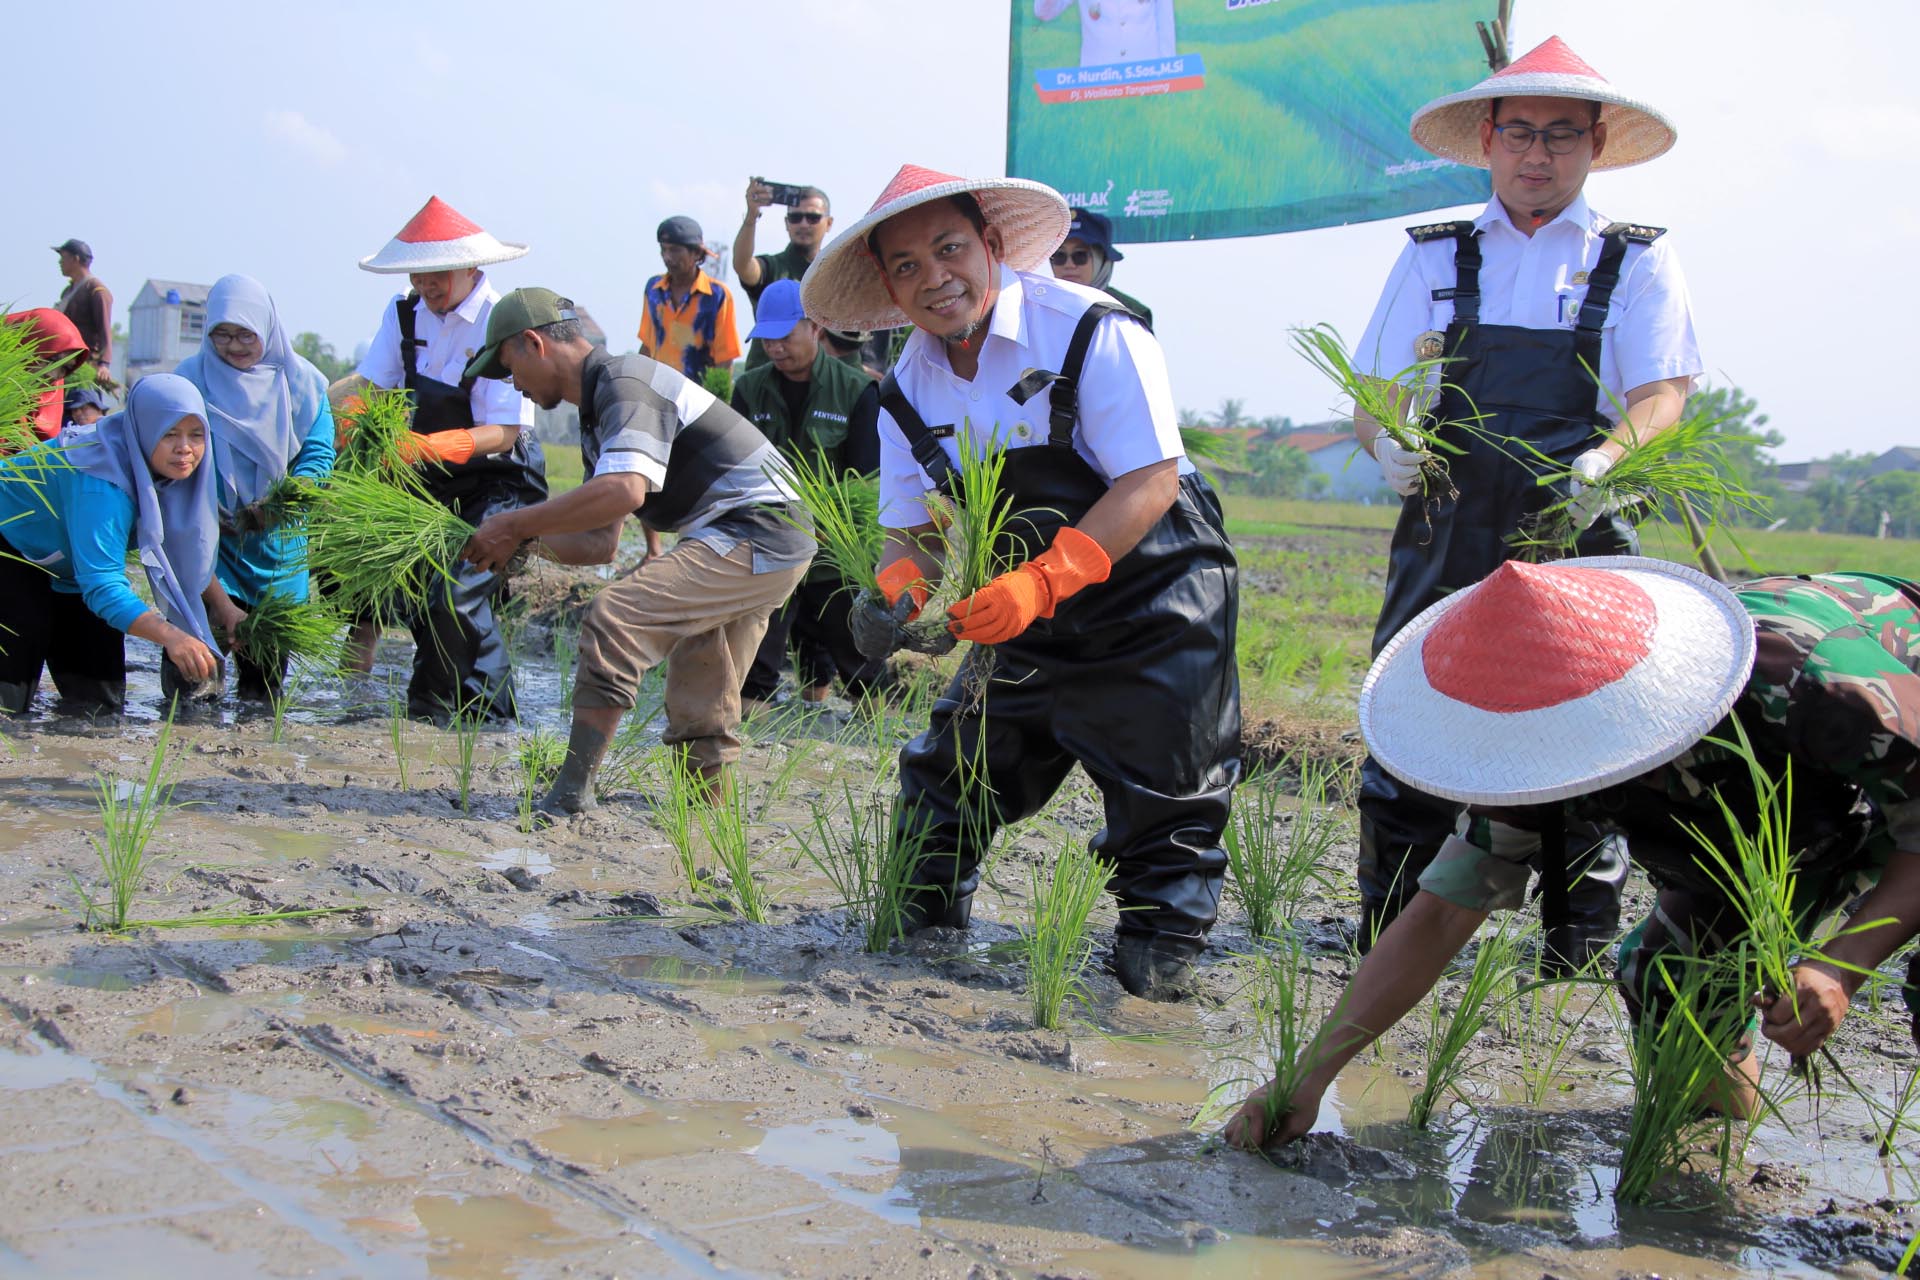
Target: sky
287,142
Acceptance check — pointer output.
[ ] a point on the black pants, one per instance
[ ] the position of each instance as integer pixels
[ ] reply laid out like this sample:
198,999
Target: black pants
460,662
815,621
1133,680
55,630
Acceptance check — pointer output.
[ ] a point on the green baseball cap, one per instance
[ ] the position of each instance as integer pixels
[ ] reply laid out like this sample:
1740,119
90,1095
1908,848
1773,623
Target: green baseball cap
513,315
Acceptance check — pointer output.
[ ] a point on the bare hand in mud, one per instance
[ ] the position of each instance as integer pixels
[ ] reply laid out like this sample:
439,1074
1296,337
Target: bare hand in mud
1801,1020
1248,1129
493,543
225,620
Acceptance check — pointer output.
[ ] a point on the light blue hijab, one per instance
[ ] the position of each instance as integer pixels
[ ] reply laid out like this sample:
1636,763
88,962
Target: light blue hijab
259,417
176,525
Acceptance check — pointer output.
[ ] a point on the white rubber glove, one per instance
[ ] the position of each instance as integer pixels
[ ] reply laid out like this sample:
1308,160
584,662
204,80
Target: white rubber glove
1400,468
1586,503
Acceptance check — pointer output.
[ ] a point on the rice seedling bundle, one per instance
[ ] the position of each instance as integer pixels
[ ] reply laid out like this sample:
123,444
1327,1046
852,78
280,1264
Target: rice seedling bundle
725,824
845,516
1394,403
978,525
538,757
279,629
384,548
1056,943
1685,464
288,503
374,430
22,379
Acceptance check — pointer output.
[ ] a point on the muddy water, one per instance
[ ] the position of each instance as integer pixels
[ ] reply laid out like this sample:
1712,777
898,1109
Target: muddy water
492,1066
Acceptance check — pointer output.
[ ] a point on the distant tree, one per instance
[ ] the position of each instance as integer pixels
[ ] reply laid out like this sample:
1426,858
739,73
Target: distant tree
1232,413
1897,494
1276,470
320,352
1192,418
1276,425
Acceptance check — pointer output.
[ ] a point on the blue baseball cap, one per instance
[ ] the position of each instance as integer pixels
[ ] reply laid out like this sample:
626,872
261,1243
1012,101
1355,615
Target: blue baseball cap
777,311
88,396
1093,230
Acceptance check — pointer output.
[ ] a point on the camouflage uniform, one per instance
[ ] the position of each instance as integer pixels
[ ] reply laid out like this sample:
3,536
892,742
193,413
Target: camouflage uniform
1835,692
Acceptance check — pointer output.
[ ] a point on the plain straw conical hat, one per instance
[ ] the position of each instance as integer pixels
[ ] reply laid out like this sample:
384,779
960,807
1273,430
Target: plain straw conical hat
1636,130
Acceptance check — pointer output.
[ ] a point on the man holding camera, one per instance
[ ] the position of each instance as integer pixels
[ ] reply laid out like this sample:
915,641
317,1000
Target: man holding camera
809,218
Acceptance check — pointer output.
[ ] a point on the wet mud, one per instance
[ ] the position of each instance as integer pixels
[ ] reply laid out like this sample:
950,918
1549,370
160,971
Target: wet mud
526,1054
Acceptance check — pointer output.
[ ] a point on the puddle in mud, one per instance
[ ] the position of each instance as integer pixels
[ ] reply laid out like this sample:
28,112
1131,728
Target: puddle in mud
672,970
837,1155
476,1237
658,1132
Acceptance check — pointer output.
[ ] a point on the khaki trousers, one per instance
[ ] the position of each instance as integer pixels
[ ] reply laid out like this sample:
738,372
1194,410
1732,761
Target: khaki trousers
700,612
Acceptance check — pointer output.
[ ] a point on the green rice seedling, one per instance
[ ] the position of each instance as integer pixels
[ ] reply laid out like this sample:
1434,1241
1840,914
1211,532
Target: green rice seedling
566,652
538,758
1056,943
376,428
288,503
719,380
1679,1063
1278,1000
844,513
1687,463
282,698
218,918
675,807
1906,1259
466,726
1271,877
1548,1014
1448,1037
397,733
978,527
1224,452
852,844
130,815
625,761
385,549
1395,403
725,823
1889,1117
279,629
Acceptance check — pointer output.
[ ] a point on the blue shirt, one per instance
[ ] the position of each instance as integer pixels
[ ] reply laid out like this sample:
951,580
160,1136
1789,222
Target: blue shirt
253,564
77,527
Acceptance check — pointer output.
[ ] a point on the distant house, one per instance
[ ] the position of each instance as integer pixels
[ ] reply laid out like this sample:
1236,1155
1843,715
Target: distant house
561,424
1902,457
1798,477
1352,475
165,325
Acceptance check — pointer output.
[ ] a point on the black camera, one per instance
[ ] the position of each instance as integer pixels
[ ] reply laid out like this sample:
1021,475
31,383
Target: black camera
786,193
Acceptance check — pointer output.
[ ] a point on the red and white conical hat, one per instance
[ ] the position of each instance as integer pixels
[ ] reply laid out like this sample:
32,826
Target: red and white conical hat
439,238
1545,681
843,288
1636,131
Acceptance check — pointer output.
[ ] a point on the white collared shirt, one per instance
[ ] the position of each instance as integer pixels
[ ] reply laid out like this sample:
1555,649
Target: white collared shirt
1539,282
450,341
1127,419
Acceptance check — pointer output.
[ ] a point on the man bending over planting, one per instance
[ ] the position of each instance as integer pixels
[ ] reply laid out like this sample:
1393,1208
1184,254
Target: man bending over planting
663,448
1112,641
1619,686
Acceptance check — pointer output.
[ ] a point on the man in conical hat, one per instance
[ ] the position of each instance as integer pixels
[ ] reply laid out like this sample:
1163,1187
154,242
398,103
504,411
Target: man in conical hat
1620,687
472,441
1541,320
1109,642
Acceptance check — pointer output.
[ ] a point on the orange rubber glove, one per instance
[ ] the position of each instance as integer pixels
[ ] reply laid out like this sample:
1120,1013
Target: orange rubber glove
903,575
438,446
344,419
1009,604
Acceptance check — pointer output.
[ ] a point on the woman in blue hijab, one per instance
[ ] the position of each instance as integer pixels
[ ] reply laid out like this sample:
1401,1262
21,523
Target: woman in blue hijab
70,511
267,409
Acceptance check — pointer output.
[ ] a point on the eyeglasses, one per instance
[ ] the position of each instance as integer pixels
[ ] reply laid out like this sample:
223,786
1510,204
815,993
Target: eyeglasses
1078,257
233,337
804,215
1560,140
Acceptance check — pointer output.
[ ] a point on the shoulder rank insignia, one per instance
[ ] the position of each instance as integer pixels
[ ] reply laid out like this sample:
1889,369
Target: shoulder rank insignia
1635,232
1439,231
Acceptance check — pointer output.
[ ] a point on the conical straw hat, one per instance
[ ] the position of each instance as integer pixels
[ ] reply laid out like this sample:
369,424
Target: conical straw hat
1548,681
439,238
1636,131
843,288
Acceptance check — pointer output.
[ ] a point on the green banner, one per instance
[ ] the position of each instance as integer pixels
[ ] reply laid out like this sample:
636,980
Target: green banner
1203,119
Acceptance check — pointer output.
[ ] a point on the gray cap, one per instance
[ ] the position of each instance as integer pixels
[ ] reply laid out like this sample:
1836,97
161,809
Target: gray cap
680,229
78,248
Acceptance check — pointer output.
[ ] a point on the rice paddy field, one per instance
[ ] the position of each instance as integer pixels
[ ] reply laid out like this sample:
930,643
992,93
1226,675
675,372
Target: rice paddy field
573,1051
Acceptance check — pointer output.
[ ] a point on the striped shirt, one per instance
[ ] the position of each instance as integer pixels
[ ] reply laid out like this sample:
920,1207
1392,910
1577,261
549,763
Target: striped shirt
711,475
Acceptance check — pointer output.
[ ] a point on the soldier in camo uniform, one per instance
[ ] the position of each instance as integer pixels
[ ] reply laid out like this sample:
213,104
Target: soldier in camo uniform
1609,683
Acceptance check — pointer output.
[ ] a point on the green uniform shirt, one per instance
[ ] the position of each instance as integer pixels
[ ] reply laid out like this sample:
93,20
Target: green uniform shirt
838,423
788,264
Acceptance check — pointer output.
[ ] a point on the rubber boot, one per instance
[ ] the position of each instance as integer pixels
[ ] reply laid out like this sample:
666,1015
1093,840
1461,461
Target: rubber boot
1155,966
1388,872
572,792
84,696
15,697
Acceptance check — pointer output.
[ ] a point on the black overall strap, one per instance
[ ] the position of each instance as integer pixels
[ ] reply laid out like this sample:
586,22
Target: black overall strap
409,344
921,439
1602,281
1553,868
1065,401
1466,271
